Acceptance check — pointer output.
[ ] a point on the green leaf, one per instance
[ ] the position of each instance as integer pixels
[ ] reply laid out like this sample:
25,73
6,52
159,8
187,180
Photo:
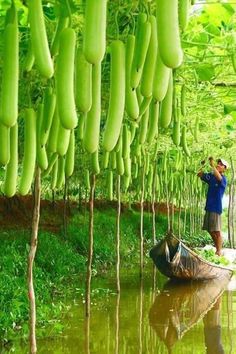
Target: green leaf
228,108
212,29
229,127
229,8
205,72
201,38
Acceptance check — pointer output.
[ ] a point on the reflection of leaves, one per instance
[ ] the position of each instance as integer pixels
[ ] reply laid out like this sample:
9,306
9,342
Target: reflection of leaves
205,72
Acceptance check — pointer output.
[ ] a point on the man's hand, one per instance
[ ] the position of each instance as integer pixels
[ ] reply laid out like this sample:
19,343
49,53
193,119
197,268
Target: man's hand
200,173
214,169
211,162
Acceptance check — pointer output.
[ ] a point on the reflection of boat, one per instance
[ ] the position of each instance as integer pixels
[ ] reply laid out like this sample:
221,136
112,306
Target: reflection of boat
180,306
175,260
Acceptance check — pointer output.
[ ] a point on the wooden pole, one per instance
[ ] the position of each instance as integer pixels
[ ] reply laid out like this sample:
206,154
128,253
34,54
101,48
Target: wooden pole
141,318
90,254
31,257
87,335
117,323
65,208
141,221
118,236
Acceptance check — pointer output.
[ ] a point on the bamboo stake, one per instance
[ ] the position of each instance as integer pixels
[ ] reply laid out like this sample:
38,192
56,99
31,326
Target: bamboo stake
118,236
141,317
141,221
31,257
87,335
117,323
154,220
65,208
90,255
179,216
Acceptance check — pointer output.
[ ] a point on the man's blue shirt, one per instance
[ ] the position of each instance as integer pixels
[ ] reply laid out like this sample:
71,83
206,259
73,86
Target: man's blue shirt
215,192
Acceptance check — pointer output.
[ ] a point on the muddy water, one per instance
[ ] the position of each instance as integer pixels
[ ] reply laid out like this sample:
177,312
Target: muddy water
165,318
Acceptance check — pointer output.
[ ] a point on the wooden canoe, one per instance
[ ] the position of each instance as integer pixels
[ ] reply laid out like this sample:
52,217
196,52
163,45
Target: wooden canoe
175,260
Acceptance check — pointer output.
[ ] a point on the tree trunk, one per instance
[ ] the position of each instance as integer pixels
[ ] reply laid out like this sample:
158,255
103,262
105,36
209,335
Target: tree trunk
90,254
31,257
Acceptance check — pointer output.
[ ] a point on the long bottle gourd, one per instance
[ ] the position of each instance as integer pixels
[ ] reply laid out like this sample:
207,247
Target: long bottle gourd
10,72
131,101
150,61
4,144
83,83
166,106
29,159
65,79
95,30
168,33
92,121
117,96
39,39
9,187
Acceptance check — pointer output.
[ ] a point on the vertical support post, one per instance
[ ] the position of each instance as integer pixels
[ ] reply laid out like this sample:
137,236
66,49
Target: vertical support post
90,254
31,257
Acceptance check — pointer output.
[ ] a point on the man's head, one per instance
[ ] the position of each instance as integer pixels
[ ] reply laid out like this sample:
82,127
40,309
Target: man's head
222,165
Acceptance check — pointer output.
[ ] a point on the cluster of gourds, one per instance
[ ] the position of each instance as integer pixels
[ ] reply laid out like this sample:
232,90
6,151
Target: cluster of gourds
141,94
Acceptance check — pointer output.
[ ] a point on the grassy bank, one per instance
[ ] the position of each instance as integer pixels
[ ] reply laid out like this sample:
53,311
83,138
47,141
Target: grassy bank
61,258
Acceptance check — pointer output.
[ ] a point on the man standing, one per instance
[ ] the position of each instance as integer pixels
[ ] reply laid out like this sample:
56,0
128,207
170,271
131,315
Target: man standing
216,186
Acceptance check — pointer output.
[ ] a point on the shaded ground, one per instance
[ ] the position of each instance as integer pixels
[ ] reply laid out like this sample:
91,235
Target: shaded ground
16,212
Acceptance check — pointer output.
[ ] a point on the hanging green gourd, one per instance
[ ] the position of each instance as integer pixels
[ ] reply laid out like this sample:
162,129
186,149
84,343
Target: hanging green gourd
150,61
4,145
152,132
95,30
39,39
83,83
92,121
168,33
10,70
9,186
29,158
117,96
184,141
166,106
142,39
131,101
65,79
70,156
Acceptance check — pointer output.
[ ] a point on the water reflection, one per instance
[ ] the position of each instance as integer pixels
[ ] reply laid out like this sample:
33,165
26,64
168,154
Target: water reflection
178,307
212,330
140,321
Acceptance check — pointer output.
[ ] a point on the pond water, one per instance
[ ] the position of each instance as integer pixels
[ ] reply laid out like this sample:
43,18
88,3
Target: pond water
147,318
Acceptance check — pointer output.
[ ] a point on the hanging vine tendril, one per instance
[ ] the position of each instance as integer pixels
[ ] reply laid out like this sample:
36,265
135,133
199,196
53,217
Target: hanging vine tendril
116,21
69,12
